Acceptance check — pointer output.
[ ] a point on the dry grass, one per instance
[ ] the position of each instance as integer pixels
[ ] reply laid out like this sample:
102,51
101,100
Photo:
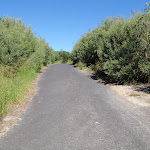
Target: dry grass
12,118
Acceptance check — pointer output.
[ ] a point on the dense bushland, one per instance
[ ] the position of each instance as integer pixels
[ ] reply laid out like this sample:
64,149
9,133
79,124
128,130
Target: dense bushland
63,57
22,54
118,48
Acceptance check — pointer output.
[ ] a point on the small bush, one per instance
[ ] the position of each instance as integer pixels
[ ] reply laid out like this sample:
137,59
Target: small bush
81,65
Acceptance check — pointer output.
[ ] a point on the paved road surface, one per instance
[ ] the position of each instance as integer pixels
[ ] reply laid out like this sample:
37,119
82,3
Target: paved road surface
71,111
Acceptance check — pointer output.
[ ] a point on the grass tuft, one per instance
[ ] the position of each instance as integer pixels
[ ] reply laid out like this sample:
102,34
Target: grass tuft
134,95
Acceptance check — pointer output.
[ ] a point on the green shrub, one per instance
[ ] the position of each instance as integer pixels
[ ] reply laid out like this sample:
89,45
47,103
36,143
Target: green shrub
22,55
120,47
81,65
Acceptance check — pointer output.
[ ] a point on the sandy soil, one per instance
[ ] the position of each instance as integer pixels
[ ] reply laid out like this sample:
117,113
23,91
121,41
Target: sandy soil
12,118
137,94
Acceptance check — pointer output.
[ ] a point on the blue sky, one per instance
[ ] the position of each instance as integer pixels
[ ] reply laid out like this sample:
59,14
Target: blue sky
62,22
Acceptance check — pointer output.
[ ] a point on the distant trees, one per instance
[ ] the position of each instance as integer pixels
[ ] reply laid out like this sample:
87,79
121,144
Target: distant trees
119,48
62,56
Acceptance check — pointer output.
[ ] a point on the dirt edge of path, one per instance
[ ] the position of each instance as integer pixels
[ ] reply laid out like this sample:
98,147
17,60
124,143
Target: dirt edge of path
137,94
12,118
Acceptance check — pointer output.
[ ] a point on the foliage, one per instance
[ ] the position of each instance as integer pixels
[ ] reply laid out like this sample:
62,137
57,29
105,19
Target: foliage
22,55
119,48
81,65
63,56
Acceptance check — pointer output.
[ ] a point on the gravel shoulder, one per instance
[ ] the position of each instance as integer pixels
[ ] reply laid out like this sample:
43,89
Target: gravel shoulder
137,94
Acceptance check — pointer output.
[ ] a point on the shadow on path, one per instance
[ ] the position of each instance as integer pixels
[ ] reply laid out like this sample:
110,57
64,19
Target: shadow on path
102,78
145,89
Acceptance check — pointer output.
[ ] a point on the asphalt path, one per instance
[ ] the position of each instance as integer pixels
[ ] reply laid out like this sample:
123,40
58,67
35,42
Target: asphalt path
71,111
